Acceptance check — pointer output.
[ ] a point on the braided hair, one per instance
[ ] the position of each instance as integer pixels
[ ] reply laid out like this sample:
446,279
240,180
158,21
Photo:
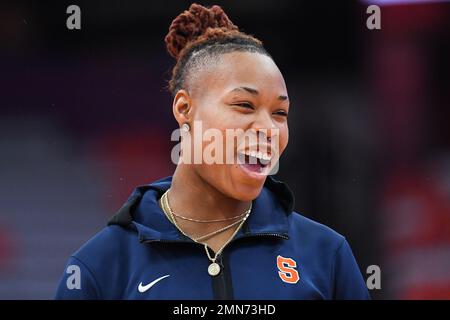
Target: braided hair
198,36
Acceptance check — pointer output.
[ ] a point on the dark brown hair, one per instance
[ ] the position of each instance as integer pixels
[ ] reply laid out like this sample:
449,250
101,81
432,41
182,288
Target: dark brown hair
207,32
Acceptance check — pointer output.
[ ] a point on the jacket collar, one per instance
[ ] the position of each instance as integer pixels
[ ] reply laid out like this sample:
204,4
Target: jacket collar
141,212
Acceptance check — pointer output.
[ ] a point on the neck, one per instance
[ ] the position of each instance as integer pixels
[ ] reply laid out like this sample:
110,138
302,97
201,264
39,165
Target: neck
193,197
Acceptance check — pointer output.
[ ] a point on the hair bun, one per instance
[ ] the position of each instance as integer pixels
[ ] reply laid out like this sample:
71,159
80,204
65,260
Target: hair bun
195,22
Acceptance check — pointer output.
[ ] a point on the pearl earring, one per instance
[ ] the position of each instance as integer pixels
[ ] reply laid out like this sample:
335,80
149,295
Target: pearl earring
186,127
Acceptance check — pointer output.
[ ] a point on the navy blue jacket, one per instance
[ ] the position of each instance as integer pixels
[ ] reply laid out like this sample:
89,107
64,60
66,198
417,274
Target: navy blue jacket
277,254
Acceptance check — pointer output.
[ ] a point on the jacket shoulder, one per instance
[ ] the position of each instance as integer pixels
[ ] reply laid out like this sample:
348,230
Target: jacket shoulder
315,232
105,245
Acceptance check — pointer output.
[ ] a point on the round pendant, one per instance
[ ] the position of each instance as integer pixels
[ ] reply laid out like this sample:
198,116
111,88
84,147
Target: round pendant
214,269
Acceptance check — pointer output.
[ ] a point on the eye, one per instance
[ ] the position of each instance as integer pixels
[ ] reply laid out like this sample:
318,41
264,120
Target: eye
246,105
281,113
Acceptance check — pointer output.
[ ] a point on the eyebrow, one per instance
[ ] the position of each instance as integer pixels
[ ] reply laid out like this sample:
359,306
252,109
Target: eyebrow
256,92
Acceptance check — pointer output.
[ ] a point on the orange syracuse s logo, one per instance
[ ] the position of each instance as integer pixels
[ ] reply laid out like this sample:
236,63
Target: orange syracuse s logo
286,270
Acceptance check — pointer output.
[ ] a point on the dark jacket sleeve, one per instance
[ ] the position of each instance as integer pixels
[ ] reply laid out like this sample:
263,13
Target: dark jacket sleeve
348,281
77,282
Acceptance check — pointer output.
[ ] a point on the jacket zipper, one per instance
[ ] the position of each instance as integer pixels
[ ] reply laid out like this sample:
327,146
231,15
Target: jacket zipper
222,284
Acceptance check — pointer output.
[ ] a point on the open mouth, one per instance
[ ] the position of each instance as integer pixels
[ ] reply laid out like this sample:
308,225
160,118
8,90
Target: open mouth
254,161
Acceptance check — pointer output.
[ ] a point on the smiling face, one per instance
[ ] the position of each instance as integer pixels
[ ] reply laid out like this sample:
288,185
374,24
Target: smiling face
240,90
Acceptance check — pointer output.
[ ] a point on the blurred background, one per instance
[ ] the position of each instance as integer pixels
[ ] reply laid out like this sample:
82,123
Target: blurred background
85,117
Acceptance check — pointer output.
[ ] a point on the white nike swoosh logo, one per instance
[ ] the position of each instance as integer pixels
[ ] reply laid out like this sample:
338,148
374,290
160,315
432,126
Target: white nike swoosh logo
143,288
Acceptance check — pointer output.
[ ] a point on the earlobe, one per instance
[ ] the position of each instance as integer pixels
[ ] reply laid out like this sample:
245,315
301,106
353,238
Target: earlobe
182,107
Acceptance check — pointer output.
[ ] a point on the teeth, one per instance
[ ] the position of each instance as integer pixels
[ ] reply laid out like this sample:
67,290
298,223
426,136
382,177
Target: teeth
266,157
259,155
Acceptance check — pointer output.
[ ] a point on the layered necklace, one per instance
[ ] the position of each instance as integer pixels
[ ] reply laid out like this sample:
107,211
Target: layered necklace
214,267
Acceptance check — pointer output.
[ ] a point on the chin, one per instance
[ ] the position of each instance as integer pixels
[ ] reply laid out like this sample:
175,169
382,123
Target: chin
248,190
235,182
247,185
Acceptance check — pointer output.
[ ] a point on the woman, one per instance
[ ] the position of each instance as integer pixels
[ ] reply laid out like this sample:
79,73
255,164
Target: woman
217,230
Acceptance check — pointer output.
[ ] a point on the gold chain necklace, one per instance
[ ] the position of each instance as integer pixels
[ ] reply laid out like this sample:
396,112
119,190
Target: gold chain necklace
210,221
214,267
171,215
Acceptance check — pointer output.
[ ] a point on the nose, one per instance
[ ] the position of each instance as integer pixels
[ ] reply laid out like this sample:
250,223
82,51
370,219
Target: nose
264,125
